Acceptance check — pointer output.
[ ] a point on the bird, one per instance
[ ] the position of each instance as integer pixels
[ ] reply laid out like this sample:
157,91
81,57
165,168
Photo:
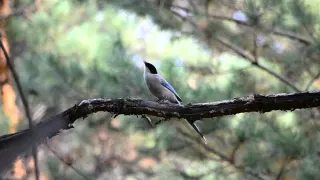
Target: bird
161,89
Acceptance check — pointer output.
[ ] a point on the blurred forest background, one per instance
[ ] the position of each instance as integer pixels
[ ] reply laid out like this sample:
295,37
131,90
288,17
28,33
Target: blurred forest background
209,50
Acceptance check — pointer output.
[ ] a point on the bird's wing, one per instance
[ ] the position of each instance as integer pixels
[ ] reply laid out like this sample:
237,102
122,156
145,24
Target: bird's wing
165,84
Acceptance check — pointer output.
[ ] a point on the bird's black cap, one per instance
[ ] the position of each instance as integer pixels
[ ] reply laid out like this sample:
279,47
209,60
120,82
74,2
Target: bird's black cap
151,68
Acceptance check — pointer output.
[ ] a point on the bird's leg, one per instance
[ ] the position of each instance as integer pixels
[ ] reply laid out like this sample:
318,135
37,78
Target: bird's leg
160,101
163,101
118,108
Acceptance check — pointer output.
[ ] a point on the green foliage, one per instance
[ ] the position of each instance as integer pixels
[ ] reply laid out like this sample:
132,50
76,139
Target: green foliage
308,168
75,49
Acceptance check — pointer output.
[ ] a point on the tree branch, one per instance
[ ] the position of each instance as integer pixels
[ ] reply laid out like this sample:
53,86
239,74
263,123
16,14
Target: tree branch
312,81
25,104
252,103
255,47
241,52
222,157
12,145
275,31
77,171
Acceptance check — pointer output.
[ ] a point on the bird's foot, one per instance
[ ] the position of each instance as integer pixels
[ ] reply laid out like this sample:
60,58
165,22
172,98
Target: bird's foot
117,109
163,101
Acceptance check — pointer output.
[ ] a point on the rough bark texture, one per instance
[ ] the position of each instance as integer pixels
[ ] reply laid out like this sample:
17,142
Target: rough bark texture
252,103
12,145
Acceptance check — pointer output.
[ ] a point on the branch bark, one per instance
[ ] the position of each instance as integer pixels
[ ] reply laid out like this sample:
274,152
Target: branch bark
252,103
13,145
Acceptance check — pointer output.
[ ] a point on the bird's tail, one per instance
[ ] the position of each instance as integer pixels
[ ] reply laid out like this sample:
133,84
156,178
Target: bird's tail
195,127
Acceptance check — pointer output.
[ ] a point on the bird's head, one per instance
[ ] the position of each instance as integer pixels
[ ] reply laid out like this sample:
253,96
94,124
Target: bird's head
150,68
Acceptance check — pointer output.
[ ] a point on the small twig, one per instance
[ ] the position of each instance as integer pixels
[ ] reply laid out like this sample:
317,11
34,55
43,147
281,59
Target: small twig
194,6
25,104
207,70
191,139
282,169
234,151
66,163
255,47
312,80
220,155
309,32
275,31
241,52
292,35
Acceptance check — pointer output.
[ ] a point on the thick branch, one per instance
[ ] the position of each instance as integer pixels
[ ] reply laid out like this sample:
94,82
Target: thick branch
12,145
252,103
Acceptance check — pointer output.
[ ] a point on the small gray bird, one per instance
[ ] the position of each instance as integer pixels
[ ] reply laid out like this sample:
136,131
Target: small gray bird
160,88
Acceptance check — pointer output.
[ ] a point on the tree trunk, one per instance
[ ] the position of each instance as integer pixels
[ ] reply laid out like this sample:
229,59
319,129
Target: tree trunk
10,107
